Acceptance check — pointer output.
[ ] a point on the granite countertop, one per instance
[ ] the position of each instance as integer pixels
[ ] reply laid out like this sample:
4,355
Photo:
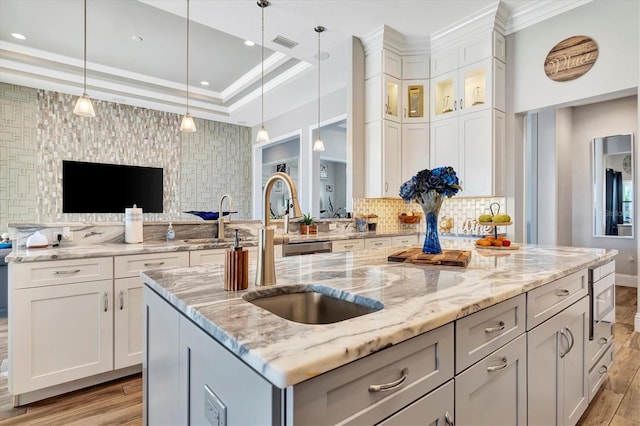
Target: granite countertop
23,254
416,298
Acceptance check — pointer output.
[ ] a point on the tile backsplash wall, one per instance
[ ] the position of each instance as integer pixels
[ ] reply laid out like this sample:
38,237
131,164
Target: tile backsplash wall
39,130
463,211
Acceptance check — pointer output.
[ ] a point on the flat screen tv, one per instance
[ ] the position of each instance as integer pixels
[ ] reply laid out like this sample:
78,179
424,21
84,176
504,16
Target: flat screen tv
110,188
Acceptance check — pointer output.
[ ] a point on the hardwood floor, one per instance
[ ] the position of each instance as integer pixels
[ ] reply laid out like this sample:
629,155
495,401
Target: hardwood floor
120,402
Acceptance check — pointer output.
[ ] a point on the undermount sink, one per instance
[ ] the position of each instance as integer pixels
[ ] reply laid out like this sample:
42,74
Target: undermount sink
312,304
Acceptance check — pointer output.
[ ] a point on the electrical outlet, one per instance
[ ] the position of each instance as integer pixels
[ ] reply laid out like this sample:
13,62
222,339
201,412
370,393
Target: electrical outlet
67,235
214,410
55,237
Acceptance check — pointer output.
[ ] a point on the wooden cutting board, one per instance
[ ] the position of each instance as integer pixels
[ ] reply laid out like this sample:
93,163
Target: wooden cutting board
447,257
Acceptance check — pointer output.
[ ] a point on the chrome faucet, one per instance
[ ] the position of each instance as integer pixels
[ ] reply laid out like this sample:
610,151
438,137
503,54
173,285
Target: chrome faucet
265,267
221,217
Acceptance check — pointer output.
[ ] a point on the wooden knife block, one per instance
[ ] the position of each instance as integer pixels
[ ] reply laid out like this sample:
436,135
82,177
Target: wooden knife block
236,270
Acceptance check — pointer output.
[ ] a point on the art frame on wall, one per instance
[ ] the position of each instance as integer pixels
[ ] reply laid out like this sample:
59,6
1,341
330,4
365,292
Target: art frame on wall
323,171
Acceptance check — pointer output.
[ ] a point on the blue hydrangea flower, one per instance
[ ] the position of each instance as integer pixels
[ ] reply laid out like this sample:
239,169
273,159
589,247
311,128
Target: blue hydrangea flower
443,180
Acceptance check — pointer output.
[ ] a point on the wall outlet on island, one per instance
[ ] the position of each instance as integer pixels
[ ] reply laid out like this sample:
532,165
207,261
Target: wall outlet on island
65,235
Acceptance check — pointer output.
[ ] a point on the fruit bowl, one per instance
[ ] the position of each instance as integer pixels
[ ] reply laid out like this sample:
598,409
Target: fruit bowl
405,218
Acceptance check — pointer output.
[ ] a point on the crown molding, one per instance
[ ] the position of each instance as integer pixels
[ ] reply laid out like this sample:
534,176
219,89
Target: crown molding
533,13
480,22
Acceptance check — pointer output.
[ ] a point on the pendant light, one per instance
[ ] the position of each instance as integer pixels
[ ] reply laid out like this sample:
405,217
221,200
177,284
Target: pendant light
84,107
318,145
262,136
187,124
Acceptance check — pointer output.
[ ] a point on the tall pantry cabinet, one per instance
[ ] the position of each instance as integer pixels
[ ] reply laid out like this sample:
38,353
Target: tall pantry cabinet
396,119
467,112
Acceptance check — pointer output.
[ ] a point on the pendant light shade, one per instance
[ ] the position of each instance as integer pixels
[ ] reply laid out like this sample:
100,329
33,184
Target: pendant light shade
318,145
84,107
262,136
187,124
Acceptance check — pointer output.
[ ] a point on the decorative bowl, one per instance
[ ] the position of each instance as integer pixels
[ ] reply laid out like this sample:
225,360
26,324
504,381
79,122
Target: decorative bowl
405,218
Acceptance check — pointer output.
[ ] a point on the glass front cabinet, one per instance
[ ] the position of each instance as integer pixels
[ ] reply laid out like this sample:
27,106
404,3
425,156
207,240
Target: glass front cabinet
415,95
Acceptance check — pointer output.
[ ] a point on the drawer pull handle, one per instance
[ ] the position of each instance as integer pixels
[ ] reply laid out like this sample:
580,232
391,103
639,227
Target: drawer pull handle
448,420
500,327
70,271
121,300
603,369
603,341
154,264
391,385
573,340
377,244
562,292
499,367
106,301
349,246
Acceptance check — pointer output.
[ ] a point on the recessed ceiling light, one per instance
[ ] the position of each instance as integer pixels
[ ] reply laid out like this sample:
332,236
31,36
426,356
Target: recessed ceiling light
204,83
18,36
249,43
136,38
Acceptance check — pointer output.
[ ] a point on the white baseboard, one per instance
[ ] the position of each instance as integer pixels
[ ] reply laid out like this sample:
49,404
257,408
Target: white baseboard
627,280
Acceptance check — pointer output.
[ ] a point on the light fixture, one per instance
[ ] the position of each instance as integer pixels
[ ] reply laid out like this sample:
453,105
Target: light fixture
262,136
249,43
204,83
18,36
187,124
318,145
84,107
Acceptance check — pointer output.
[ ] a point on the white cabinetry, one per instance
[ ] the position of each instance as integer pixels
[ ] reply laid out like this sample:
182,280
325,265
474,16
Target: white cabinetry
473,145
415,151
372,243
347,245
383,157
406,240
557,387
127,295
60,322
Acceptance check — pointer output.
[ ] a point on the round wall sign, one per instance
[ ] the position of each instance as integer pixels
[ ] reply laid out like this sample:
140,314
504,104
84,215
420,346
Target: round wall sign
571,58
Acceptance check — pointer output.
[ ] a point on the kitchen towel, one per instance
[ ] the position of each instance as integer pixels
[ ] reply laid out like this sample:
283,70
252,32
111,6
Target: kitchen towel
133,225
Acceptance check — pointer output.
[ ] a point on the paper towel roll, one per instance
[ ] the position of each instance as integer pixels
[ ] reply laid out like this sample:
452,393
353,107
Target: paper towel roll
133,225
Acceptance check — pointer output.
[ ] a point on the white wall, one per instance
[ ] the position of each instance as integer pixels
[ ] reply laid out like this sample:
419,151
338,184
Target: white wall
564,170
612,24
590,121
547,178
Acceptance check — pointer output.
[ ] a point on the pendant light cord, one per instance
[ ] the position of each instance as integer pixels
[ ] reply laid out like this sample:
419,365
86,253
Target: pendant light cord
319,30
262,6
187,56
84,91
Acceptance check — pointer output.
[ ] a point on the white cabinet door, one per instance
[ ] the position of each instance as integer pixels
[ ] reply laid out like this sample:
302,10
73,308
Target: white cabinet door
165,403
494,391
444,147
434,409
415,149
558,388
392,158
415,67
60,333
476,143
127,321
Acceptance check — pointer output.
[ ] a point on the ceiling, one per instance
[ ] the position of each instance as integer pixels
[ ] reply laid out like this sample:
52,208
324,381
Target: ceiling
152,72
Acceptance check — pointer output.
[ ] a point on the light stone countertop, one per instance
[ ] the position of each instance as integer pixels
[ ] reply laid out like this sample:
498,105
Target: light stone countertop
23,254
416,298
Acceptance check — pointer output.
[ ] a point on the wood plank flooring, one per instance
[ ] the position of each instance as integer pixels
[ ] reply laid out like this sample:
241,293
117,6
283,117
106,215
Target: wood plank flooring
120,402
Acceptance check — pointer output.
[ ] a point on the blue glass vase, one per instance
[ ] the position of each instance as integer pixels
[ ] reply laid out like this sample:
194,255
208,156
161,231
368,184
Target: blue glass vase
431,201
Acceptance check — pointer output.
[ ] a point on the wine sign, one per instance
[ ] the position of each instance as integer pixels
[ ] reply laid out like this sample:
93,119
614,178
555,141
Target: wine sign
571,58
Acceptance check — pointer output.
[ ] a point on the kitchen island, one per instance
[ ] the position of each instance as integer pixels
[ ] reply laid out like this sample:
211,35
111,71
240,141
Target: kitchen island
294,372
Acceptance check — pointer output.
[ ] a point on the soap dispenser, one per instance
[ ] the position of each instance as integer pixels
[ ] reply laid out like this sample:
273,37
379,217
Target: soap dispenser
236,267
171,234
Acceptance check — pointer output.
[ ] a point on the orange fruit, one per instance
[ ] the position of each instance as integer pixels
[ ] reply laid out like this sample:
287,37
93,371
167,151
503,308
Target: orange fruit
484,243
497,243
490,238
502,238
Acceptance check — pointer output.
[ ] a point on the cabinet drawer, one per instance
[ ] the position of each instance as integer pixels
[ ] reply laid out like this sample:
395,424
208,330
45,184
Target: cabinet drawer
343,395
545,301
131,266
370,243
602,271
56,272
481,333
347,245
598,373
435,408
602,337
408,240
603,298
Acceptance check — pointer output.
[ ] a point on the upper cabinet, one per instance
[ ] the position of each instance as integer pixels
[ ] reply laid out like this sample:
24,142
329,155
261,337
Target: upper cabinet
415,105
471,88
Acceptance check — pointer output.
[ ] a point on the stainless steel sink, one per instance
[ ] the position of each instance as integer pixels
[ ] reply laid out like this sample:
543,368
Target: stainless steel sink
312,304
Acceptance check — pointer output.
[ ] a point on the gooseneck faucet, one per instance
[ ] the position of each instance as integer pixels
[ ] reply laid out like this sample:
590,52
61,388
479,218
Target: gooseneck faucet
265,267
221,217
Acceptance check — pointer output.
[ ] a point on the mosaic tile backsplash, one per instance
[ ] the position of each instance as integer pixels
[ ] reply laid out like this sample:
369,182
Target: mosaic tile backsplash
39,131
463,211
